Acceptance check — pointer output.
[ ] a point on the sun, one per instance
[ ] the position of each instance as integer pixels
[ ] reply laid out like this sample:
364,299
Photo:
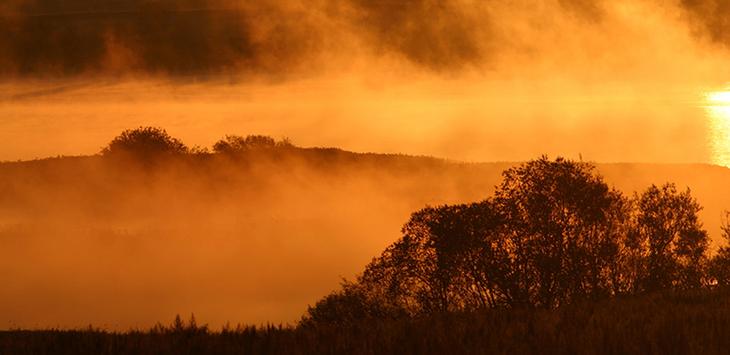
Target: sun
719,98
718,111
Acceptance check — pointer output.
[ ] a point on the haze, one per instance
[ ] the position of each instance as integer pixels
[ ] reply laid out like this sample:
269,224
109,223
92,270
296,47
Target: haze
477,81
482,81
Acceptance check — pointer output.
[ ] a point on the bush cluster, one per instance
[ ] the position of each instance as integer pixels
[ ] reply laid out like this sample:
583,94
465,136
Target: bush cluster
153,142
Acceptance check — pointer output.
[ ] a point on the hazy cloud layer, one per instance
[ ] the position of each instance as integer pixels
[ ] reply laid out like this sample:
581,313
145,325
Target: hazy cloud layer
287,37
167,37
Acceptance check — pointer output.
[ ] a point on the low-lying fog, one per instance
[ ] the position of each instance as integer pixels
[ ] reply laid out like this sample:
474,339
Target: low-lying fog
85,241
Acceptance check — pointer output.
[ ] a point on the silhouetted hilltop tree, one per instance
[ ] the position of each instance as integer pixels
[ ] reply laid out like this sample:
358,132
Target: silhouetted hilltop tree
672,239
145,142
553,233
237,144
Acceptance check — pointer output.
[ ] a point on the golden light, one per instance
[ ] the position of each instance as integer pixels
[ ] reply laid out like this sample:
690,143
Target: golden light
719,98
718,110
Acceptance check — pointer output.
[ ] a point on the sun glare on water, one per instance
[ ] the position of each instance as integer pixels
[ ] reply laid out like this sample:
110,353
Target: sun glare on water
718,109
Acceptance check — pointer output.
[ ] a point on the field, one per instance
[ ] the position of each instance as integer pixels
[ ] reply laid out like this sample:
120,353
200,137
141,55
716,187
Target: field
668,323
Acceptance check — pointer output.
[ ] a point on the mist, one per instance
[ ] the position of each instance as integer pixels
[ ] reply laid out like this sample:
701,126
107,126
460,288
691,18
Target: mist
257,240
467,80
250,239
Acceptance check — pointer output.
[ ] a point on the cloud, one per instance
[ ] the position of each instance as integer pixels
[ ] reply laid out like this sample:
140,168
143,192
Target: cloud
165,37
435,34
710,18
285,38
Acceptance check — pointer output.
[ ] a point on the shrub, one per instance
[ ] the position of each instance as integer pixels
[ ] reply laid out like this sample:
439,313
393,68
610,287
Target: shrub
236,144
145,142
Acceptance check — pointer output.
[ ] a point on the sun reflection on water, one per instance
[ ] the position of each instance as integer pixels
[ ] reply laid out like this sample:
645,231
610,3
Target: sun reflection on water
718,110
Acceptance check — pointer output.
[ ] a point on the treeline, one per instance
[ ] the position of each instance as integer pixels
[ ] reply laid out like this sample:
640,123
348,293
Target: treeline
554,233
154,142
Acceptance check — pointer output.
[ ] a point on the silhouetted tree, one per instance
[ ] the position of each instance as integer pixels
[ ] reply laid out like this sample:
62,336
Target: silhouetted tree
670,234
719,266
554,233
145,142
180,327
235,144
350,305
446,260
474,263
564,227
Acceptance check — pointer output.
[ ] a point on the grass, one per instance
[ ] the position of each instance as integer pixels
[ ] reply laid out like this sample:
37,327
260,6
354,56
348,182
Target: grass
664,323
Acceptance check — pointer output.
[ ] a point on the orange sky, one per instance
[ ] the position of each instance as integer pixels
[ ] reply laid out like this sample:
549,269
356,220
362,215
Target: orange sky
612,81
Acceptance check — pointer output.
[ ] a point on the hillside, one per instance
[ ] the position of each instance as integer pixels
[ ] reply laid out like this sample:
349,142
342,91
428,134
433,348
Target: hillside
249,238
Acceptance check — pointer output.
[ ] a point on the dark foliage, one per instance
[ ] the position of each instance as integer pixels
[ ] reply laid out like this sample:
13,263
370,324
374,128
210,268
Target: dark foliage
152,143
145,142
232,144
719,265
563,229
671,239
553,234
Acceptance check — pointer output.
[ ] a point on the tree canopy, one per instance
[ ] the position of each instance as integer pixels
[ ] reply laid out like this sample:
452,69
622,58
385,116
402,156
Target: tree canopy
553,233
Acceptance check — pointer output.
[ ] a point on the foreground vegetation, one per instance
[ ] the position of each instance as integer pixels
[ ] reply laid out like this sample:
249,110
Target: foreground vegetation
661,323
